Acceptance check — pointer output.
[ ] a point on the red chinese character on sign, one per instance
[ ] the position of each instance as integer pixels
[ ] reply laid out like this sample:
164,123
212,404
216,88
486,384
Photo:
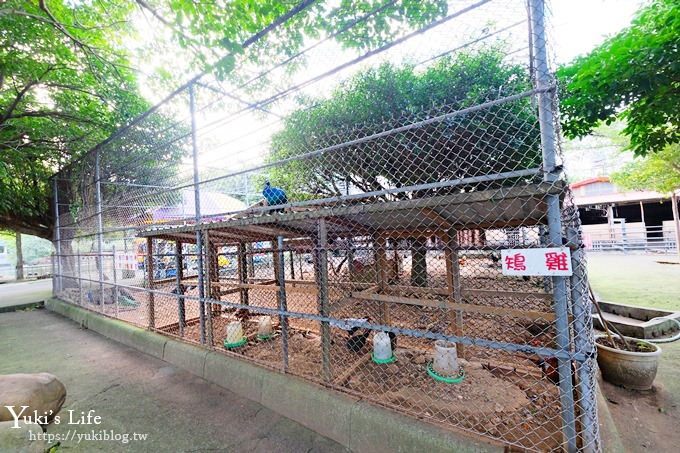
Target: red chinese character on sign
556,261
516,262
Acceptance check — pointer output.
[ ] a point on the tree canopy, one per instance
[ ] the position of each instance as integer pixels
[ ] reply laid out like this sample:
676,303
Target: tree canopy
659,172
376,101
67,79
487,141
65,85
634,76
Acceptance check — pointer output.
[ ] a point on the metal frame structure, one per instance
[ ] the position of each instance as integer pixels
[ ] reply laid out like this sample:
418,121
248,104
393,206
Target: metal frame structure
195,306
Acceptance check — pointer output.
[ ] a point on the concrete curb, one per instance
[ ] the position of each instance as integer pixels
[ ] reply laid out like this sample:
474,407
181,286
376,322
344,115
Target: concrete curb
355,424
609,434
24,306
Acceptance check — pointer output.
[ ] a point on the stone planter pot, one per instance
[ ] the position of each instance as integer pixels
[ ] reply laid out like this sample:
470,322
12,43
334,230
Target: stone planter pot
632,370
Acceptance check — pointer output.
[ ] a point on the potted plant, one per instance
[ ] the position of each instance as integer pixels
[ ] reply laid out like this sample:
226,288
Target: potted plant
628,362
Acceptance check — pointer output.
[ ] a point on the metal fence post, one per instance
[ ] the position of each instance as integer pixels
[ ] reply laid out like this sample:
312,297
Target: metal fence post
583,344
57,236
115,280
80,279
283,304
321,268
100,226
551,175
197,212
179,264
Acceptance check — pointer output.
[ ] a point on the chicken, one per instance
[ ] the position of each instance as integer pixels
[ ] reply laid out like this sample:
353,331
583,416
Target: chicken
356,342
393,341
550,368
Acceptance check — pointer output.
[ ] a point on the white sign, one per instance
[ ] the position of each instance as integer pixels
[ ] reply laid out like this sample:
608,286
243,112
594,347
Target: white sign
126,260
548,261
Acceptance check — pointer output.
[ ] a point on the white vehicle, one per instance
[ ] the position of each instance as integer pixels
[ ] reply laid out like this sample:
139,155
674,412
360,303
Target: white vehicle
6,267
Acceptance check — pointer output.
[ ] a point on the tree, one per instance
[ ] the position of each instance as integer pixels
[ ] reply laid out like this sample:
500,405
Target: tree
66,81
634,76
216,32
488,141
659,172
65,85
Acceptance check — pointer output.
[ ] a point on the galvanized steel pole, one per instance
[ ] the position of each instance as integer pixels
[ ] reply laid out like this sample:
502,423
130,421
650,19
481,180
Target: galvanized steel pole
100,226
197,211
551,174
283,304
57,237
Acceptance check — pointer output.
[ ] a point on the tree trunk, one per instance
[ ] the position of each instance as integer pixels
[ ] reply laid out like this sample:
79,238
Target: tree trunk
419,261
20,258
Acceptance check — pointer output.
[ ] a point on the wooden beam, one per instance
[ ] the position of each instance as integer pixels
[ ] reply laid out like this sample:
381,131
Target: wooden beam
342,379
352,225
467,292
494,197
433,215
381,271
501,311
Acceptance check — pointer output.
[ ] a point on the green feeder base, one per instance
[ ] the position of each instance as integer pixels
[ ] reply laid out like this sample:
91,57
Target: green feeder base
435,376
238,344
264,337
384,361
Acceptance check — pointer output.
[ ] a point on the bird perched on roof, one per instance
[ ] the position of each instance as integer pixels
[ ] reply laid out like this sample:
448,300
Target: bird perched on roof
274,195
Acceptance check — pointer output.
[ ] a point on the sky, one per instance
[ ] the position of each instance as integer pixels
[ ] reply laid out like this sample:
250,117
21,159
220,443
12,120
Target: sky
580,25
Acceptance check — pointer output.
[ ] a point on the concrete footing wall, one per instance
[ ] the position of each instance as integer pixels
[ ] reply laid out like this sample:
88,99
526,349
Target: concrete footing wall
356,424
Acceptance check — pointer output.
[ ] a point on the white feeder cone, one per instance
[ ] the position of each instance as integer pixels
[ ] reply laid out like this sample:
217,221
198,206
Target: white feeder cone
264,327
445,359
234,332
382,349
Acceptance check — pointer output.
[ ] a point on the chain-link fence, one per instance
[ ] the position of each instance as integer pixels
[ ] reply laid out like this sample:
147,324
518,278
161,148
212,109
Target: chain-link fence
349,223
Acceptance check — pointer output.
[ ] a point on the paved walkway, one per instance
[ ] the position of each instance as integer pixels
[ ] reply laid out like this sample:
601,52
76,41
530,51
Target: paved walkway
25,292
136,393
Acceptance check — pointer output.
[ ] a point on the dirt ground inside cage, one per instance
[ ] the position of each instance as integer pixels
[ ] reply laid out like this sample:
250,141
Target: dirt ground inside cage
516,405
503,396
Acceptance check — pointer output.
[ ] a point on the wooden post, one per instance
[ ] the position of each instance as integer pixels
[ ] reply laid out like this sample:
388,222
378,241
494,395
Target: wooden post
181,309
280,281
292,266
250,270
350,258
216,290
395,262
321,272
642,214
381,271
151,314
243,271
453,284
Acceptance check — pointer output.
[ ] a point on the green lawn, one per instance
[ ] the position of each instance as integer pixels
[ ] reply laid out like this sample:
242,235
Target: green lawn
636,279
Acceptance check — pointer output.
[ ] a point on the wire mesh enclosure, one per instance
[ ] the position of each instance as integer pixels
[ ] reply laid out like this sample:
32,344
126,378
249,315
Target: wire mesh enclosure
344,223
